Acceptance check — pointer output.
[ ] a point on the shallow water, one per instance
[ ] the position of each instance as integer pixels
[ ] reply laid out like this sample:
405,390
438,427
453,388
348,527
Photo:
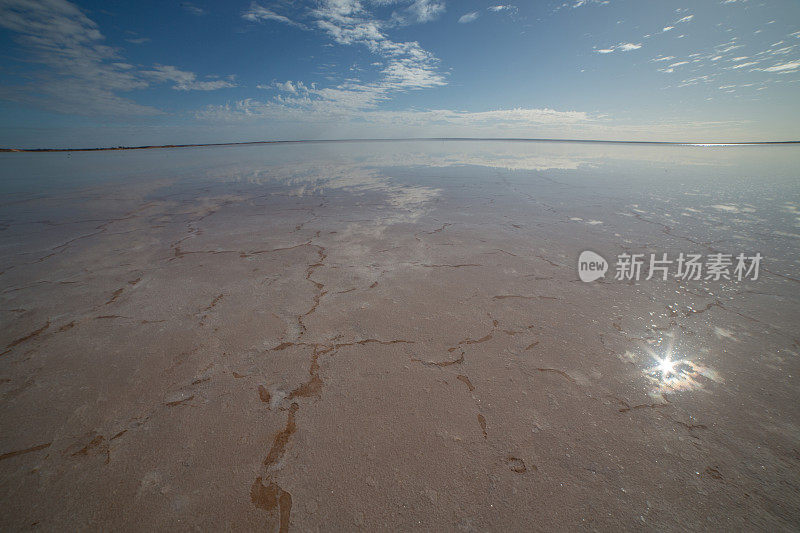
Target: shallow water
395,335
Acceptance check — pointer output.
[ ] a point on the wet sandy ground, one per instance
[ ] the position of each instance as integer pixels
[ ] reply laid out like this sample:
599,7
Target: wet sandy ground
395,337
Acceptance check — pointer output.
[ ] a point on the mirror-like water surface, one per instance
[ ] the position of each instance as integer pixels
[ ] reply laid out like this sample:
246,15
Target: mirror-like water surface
336,335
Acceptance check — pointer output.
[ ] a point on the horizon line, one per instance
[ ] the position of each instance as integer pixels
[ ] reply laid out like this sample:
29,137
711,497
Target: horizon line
311,141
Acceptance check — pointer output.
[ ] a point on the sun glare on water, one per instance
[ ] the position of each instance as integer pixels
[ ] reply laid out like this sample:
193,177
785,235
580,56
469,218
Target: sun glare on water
666,366
674,371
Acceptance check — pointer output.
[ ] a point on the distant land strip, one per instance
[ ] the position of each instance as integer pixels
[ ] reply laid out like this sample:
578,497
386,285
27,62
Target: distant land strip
313,141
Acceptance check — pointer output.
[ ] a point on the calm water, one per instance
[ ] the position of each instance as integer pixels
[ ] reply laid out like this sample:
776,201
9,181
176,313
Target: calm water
746,196
327,333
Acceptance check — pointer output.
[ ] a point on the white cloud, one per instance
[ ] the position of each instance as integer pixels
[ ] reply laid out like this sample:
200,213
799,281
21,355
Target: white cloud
305,111
625,47
405,65
414,12
582,3
184,80
193,9
79,73
668,28
426,10
286,86
523,123
718,65
784,67
257,13
687,18
499,8
743,65
468,17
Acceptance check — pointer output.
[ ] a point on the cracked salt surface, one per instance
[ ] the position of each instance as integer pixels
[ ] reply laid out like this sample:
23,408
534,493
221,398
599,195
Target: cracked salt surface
394,335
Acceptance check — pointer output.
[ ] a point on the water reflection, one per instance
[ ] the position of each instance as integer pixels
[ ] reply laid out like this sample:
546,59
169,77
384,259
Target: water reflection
672,368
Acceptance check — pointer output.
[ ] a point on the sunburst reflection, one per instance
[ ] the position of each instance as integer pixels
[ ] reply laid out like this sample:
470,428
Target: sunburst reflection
672,369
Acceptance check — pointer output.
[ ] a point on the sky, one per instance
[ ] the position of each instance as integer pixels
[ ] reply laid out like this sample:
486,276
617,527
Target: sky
110,73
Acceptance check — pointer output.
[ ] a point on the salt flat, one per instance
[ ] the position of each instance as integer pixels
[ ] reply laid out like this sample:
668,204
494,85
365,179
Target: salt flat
395,336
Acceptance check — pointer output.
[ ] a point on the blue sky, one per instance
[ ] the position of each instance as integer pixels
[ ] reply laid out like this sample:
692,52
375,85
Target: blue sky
129,73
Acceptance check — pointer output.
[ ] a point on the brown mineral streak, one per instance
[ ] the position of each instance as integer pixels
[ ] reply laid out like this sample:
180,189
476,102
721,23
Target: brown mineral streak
8,455
282,438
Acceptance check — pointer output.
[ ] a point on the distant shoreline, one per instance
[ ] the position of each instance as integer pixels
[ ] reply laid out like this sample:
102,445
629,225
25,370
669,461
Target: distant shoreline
312,141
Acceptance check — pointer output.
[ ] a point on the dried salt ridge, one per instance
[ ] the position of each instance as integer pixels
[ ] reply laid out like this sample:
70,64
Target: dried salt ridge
394,336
